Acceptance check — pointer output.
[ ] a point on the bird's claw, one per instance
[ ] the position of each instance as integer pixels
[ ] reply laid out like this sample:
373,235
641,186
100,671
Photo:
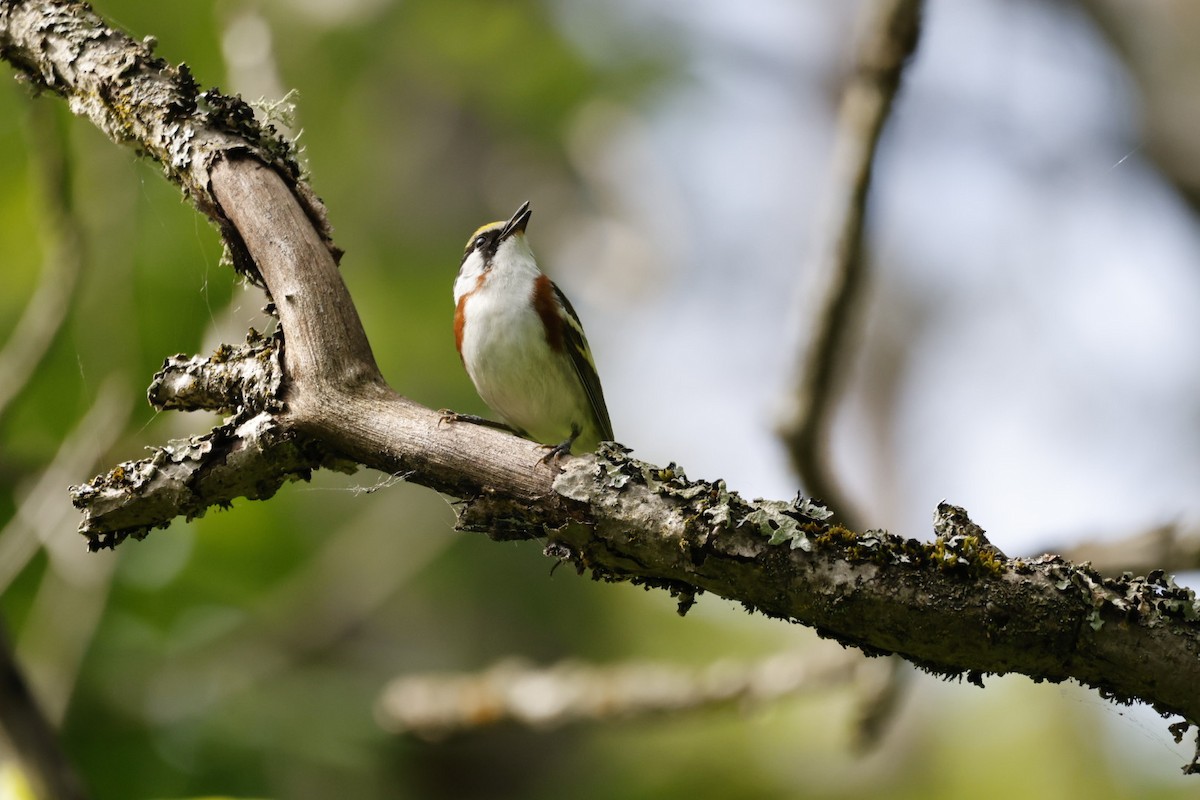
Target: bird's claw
562,448
555,451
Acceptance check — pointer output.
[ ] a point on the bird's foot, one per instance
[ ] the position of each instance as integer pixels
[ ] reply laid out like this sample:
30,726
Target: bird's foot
563,448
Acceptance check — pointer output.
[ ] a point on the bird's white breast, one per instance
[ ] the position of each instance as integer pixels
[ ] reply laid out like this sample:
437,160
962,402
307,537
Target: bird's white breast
506,353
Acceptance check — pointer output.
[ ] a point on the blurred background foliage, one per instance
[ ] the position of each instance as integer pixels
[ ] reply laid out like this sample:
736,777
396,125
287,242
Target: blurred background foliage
674,154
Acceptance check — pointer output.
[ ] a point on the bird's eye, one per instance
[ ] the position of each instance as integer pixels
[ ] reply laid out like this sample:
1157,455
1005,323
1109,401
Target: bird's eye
480,242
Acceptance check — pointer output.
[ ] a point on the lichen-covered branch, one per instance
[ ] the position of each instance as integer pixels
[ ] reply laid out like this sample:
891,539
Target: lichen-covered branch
956,606
141,101
248,376
250,455
245,457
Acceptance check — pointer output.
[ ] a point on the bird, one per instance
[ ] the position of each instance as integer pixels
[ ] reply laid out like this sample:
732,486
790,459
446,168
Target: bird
522,344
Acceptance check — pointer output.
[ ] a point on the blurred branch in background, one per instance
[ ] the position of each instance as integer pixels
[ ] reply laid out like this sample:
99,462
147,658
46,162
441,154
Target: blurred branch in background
356,570
69,602
1173,547
889,37
889,34
63,245
42,519
31,736
71,595
1158,44
439,704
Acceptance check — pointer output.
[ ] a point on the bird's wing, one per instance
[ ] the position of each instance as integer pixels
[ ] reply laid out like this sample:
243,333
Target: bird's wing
585,367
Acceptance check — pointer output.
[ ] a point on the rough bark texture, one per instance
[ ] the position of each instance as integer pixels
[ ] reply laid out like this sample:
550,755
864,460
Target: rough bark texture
955,606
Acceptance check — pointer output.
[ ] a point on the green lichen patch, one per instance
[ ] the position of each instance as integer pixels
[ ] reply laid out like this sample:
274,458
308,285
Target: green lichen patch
1128,597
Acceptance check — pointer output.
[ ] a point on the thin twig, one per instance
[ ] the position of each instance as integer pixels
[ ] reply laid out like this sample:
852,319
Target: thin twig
70,599
31,736
1173,547
62,237
42,518
356,570
440,704
890,37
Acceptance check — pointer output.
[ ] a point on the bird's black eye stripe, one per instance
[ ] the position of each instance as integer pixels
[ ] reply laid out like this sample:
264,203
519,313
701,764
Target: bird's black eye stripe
487,242
484,243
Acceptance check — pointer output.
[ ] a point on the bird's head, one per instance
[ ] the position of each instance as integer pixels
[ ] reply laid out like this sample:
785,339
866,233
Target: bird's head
496,242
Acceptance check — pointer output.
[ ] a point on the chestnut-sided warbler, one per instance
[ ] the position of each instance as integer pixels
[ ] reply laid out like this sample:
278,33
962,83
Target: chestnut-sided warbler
522,343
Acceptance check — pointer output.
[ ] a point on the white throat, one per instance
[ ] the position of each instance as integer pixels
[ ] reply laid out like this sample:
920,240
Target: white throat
511,267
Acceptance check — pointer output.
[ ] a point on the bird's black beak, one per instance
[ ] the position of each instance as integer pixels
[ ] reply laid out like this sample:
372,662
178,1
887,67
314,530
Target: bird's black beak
518,222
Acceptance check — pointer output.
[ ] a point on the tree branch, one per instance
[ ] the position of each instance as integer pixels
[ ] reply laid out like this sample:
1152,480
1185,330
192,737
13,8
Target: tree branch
954,606
437,705
47,309
838,270
40,515
1171,546
32,737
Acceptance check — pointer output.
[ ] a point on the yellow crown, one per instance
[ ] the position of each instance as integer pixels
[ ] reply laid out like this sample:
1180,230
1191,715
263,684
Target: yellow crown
491,226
